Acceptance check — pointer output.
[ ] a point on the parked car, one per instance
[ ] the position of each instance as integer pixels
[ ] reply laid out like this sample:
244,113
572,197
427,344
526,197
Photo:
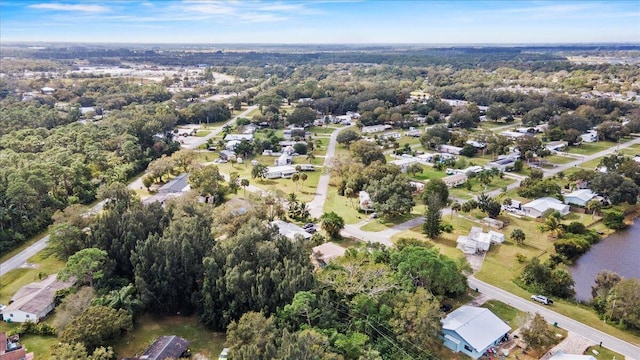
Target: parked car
310,230
223,355
542,299
308,225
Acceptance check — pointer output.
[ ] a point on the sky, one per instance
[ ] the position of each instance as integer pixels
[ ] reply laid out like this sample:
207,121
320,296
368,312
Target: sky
321,21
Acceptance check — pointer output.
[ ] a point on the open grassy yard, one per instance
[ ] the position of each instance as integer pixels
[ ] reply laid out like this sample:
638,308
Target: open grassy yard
253,113
149,327
559,159
592,148
476,187
512,316
39,345
343,206
380,224
428,172
202,133
603,353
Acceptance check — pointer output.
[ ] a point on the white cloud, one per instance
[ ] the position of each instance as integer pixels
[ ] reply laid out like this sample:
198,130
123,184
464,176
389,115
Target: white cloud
71,7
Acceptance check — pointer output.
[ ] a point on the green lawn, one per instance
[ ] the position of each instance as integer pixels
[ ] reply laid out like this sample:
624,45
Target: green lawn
380,224
320,130
559,159
592,148
39,345
428,172
476,187
149,327
346,208
603,353
512,316
202,133
253,113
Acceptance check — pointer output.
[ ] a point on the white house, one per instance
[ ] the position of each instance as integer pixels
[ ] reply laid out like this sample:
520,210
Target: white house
473,330
48,90
238,137
404,162
471,169
323,254
556,145
413,133
365,201
537,207
283,159
455,180
502,164
476,144
34,301
477,240
391,135
231,145
373,129
425,158
590,136
278,172
512,134
291,231
450,149
579,197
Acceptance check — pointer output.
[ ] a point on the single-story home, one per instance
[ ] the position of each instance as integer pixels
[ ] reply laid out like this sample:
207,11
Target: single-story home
538,207
178,184
227,155
590,136
373,129
391,135
450,149
48,90
231,145
473,330
512,134
418,186
425,158
556,145
284,159
579,197
238,137
502,164
413,133
34,301
165,347
477,240
476,144
404,162
471,169
365,201
291,231
280,172
455,180
561,355
323,254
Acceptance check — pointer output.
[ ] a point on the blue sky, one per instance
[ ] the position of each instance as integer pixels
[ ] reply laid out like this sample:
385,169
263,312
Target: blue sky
314,22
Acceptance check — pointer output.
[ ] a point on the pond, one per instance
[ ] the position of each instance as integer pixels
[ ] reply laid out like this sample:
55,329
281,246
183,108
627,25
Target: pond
619,253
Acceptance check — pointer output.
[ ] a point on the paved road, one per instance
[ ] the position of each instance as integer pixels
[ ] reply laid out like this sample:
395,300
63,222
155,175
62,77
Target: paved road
21,258
317,204
630,351
213,133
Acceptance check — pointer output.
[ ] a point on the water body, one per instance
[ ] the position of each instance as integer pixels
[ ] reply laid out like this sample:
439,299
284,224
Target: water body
619,253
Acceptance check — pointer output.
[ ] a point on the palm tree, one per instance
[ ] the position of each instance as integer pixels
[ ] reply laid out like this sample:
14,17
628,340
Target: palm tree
123,298
594,206
295,178
348,192
258,171
552,225
455,207
310,156
303,178
244,183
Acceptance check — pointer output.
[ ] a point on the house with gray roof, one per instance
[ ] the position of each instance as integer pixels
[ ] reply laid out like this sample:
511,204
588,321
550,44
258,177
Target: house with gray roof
473,330
165,347
579,197
538,207
34,301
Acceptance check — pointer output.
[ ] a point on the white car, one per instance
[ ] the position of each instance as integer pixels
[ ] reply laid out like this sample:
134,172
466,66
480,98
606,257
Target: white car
223,355
542,299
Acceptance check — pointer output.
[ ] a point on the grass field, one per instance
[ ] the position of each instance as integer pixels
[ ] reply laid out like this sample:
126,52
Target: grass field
428,172
380,224
343,206
603,353
512,316
149,327
476,187
592,148
202,133
559,159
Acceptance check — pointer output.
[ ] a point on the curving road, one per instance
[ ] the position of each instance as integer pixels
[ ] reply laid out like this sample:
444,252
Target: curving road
630,351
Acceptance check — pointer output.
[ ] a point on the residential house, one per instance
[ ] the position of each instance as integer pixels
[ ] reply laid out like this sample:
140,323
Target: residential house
503,165
238,137
227,155
280,172
579,197
47,90
471,169
391,135
418,186
291,231
454,102
413,133
323,254
294,132
174,188
455,180
283,159
538,207
403,163
476,144
373,129
11,349
556,145
231,145
590,136
165,347
473,330
512,134
365,201
425,158
450,149
34,301
477,240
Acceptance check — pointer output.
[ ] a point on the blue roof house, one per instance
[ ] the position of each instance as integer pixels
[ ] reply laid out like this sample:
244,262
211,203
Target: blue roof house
473,330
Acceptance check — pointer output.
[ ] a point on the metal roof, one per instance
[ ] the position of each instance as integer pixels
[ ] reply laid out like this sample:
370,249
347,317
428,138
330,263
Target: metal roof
479,327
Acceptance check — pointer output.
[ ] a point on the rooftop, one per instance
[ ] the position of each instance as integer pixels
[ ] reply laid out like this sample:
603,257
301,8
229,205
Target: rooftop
166,347
37,296
477,326
290,230
177,184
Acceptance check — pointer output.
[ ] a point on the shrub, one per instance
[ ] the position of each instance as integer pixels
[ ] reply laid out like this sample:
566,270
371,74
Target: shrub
614,220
